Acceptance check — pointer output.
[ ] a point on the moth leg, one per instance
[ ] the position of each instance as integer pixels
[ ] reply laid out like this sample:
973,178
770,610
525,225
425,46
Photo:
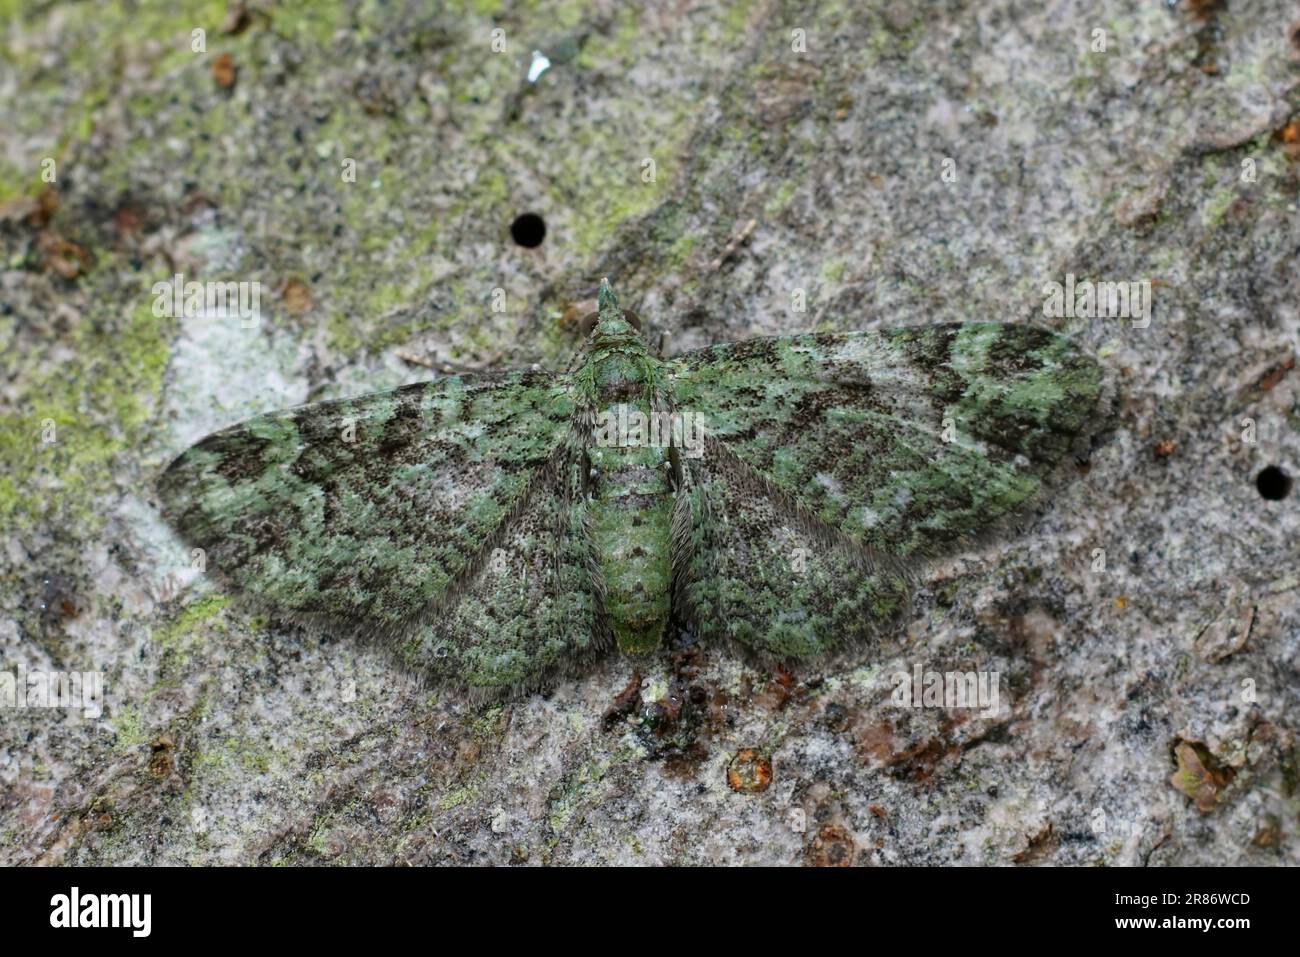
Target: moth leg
444,366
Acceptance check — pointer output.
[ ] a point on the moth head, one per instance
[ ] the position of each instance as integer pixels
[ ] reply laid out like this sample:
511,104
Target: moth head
610,317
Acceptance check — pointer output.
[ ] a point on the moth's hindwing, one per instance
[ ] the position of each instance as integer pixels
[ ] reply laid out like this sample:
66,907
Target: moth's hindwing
751,567
367,512
531,608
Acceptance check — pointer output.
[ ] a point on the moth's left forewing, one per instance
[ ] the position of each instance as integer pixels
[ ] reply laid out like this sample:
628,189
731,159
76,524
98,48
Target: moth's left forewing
911,440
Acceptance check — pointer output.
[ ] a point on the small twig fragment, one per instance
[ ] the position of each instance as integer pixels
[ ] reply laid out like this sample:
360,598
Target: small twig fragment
732,245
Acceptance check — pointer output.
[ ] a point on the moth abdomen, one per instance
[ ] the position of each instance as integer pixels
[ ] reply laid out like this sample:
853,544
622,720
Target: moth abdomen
632,505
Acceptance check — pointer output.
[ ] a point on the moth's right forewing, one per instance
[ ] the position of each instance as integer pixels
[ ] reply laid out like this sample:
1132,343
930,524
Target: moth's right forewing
364,512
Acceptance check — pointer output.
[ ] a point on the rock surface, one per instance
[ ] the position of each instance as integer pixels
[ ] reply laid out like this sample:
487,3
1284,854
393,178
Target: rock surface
721,163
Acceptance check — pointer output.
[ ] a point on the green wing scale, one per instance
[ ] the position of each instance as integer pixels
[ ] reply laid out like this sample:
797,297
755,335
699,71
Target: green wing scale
756,568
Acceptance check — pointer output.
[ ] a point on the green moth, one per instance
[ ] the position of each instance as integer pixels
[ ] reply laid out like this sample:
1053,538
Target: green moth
500,530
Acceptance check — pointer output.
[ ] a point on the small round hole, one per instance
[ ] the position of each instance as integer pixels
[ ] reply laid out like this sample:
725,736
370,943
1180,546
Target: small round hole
528,230
1273,483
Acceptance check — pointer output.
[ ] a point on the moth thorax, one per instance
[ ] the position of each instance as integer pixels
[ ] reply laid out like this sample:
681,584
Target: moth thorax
620,379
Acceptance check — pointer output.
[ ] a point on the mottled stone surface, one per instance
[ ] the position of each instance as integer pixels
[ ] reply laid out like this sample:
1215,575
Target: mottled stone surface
1147,702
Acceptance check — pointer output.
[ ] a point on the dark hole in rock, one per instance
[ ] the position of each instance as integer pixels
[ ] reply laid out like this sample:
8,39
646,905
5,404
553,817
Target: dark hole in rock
528,230
1273,483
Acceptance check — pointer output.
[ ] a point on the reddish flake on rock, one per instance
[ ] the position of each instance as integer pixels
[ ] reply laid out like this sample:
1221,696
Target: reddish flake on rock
224,71
750,771
1199,775
833,846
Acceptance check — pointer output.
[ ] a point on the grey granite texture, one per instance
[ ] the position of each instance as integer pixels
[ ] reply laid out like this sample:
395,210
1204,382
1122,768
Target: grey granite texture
1144,621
